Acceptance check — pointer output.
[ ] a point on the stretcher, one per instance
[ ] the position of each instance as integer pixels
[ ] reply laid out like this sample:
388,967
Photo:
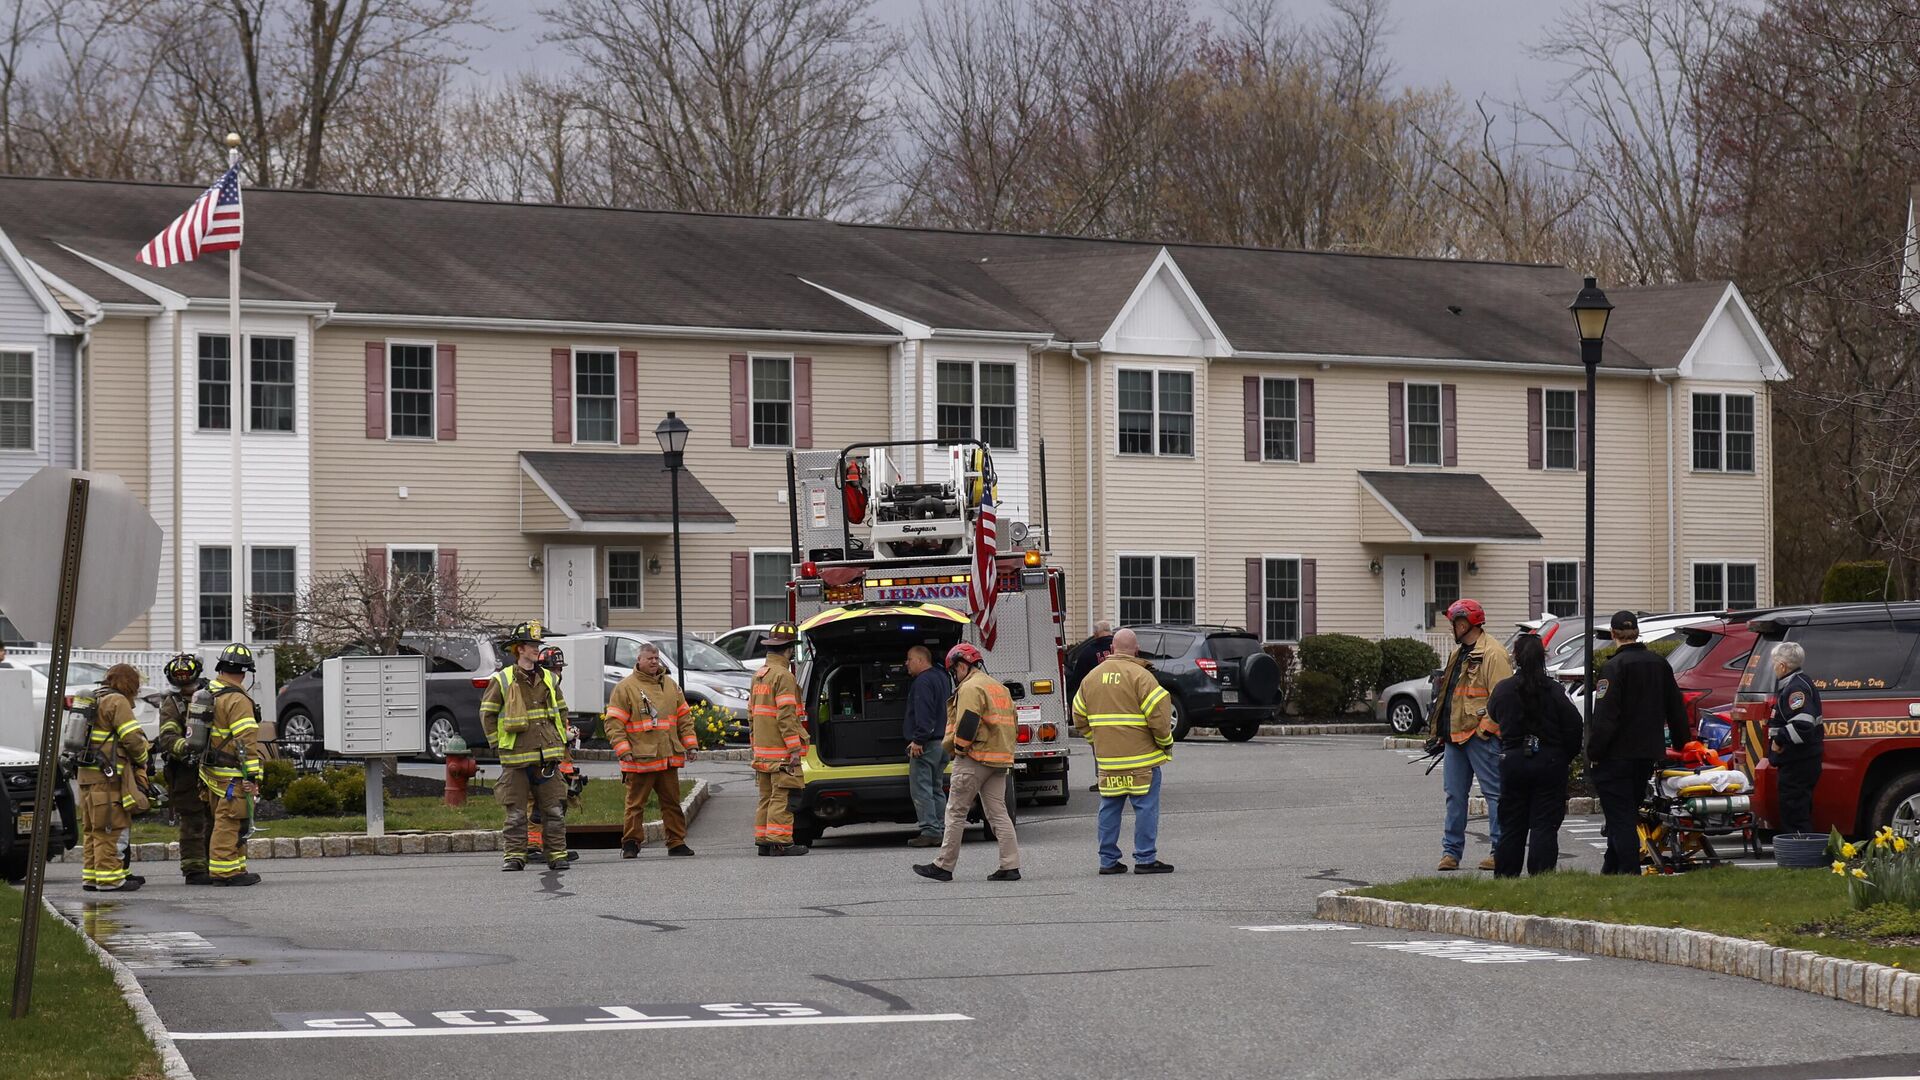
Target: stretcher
1692,800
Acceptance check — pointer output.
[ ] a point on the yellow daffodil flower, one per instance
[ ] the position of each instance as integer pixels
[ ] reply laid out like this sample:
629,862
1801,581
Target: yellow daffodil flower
1859,873
1849,850
1839,867
1899,843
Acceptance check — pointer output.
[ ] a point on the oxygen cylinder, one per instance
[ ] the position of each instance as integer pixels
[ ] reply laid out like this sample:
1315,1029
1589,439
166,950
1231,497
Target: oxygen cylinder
1702,805
78,724
200,723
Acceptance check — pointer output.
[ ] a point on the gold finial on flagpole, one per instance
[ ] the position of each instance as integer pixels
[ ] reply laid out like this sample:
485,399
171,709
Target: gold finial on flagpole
233,140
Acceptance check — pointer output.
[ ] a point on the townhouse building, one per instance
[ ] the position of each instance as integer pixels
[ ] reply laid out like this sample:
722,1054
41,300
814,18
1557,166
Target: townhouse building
1297,442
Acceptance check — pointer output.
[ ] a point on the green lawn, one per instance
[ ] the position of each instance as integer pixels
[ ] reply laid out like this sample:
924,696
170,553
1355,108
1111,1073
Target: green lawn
80,1028
1796,909
603,803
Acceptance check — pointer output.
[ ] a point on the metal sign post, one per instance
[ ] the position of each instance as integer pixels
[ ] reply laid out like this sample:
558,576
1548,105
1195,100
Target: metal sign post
69,587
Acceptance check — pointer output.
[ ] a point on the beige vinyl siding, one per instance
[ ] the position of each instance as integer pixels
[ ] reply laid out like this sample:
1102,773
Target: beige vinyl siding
1057,408
116,426
1723,517
465,494
537,512
1152,504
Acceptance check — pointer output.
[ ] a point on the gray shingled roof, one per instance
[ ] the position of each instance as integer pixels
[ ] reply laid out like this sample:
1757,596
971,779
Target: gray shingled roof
623,486
444,257
1445,505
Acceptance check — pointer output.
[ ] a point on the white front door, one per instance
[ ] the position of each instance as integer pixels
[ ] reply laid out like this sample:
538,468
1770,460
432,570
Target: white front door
1403,582
570,589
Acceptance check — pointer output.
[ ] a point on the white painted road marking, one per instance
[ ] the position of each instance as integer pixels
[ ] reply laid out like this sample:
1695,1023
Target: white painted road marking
1297,928
564,1029
1473,952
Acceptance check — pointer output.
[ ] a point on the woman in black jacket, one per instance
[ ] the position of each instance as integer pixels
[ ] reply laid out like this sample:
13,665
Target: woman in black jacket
1539,736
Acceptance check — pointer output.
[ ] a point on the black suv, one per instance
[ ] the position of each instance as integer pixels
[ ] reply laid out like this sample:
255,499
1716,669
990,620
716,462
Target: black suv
1218,676
19,782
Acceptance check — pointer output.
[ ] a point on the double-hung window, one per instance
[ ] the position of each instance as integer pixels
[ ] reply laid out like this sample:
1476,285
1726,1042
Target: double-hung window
16,400
269,383
1562,428
623,578
1728,586
772,400
1423,423
1446,582
414,580
1280,422
215,582
271,599
410,390
1281,600
1723,433
1156,412
1157,589
976,401
214,386
596,397
1563,588
770,572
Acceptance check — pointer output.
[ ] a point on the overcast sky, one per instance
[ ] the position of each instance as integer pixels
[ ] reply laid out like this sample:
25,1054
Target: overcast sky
1479,46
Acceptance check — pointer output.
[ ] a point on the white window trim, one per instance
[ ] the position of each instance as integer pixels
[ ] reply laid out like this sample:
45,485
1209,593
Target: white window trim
1546,453
246,380
433,396
573,394
235,619
1156,370
1726,587
1199,580
606,578
1300,600
39,401
1546,583
1297,427
793,407
1406,425
1722,469
974,366
753,597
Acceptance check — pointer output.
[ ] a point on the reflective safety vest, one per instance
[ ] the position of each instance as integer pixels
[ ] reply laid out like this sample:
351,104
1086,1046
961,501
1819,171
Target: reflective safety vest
233,746
999,730
775,715
511,710
1127,715
647,719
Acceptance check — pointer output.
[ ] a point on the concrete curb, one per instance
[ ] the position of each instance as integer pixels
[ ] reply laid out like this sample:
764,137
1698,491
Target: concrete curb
1579,804
1302,729
171,1063
1395,742
341,845
1860,982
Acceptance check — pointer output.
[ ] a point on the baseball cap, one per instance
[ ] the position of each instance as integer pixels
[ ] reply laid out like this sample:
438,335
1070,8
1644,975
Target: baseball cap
1626,620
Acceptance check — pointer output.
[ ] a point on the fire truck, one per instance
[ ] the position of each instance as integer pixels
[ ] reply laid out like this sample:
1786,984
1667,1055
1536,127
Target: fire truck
888,530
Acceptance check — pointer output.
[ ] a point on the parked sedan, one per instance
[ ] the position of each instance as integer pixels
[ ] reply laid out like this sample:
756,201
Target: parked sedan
1403,706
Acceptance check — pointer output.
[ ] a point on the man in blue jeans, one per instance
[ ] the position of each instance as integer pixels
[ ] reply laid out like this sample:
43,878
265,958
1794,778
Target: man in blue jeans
1125,712
1461,729
925,730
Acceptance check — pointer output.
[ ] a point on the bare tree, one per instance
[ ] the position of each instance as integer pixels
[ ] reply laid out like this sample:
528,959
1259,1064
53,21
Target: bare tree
1507,203
738,106
27,24
533,140
368,607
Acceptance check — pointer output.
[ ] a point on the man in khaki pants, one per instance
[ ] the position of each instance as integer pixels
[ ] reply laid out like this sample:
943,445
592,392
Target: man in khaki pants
982,729
650,728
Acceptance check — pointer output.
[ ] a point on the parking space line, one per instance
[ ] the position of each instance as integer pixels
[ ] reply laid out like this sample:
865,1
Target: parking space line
565,1029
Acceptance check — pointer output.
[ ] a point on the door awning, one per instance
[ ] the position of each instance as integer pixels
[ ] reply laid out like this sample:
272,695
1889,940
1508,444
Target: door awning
1438,508
611,492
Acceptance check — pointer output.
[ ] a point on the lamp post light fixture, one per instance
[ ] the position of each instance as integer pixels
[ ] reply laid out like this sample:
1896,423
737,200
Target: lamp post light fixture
672,434
1590,310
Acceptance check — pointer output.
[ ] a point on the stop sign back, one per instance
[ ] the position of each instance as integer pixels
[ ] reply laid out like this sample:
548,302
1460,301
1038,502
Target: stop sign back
119,558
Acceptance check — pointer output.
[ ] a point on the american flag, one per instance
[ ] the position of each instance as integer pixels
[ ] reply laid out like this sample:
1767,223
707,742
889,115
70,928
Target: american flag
212,223
985,582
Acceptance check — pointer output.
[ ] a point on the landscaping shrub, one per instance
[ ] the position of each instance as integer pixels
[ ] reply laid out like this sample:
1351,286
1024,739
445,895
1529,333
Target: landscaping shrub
291,660
710,725
1849,582
349,788
1404,658
276,774
1320,694
1283,655
1353,662
310,796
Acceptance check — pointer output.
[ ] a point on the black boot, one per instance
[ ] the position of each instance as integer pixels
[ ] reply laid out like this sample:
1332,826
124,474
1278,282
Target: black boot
629,850
512,864
784,850
681,850
198,877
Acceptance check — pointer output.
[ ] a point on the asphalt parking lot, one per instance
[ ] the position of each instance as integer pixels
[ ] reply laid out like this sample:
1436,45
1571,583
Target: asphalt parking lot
846,964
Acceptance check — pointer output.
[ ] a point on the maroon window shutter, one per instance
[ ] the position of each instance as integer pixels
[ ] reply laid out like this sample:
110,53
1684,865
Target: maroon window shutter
737,399
1449,428
1250,419
563,395
376,389
1309,597
377,585
447,565
1396,423
1536,426
446,392
803,402
1256,597
1580,429
629,397
1306,421
742,588
1536,588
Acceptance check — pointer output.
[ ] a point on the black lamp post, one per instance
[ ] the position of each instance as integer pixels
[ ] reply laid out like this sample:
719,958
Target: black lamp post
1590,310
672,434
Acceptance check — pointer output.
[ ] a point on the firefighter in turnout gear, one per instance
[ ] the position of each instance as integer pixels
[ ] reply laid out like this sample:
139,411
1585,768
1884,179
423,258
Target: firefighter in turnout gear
182,769
1127,715
779,744
112,781
231,767
982,731
650,728
525,719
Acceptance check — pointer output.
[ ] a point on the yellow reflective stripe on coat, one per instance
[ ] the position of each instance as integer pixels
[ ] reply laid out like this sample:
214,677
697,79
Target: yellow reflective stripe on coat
1117,720
1153,700
1135,761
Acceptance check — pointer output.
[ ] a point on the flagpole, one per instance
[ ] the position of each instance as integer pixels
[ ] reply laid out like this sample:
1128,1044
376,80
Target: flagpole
236,416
